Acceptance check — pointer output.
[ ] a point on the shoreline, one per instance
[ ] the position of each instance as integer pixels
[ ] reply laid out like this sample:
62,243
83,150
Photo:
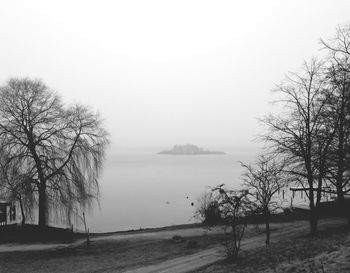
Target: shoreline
150,229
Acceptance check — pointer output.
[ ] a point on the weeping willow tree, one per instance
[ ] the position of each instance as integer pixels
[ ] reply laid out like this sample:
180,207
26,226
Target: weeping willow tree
61,148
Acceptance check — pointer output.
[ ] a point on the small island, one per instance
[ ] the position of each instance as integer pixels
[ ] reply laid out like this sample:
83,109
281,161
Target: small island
189,149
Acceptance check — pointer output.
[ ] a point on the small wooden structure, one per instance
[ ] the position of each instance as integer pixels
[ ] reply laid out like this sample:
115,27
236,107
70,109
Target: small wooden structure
329,204
7,212
324,190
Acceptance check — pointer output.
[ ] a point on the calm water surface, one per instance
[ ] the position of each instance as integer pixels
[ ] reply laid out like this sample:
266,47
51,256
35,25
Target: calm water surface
140,188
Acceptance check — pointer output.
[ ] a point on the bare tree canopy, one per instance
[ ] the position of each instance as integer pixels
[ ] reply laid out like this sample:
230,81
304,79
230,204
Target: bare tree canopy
235,208
299,134
60,148
264,180
338,49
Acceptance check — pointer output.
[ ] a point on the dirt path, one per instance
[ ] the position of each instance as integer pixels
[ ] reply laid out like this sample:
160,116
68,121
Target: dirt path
207,257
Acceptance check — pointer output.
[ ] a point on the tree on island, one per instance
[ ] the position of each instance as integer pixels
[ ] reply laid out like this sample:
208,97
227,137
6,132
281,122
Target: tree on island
60,149
189,149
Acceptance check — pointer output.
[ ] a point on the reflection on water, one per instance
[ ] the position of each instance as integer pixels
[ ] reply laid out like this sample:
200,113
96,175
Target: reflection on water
143,189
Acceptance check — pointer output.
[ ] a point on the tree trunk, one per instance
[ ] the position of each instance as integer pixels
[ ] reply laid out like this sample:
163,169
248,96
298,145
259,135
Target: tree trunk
22,212
42,204
42,182
340,155
339,183
343,206
313,213
313,221
267,224
347,210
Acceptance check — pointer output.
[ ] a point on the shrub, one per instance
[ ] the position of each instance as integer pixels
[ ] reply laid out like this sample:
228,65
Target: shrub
208,210
177,239
192,244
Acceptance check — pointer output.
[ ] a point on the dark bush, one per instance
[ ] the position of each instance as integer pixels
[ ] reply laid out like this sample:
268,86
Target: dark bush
212,214
192,244
177,239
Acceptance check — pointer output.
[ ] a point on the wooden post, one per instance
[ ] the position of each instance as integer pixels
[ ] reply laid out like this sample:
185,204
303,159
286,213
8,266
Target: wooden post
86,232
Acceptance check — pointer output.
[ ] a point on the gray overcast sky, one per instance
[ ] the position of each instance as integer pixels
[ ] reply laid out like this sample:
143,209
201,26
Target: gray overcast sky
166,72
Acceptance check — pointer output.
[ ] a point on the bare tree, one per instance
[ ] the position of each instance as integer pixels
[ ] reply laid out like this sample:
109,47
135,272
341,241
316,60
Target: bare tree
235,207
61,147
339,47
293,134
264,180
339,107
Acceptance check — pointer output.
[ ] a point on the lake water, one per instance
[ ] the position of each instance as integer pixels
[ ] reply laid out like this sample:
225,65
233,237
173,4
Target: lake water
141,189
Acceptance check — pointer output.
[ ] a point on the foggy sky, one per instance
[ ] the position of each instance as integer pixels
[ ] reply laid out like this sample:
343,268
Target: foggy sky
166,72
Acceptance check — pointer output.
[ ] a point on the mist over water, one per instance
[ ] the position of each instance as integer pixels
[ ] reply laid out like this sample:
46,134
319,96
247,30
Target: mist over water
143,189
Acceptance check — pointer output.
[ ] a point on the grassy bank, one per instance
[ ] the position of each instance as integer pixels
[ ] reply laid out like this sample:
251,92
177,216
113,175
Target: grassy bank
104,255
328,252
291,250
32,233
